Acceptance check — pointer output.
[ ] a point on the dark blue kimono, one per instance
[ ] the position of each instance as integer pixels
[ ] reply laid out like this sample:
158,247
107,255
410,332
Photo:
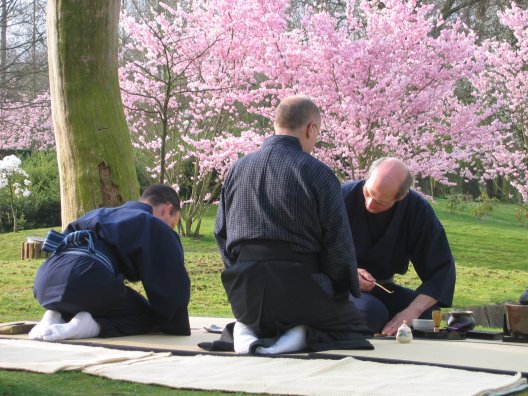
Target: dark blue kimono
140,247
413,234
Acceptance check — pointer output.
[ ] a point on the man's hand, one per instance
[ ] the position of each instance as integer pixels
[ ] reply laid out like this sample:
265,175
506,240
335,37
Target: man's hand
413,311
366,281
392,326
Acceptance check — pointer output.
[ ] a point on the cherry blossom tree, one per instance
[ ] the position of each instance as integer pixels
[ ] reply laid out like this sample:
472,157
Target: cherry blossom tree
26,124
23,76
502,90
388,86
187,80
201,84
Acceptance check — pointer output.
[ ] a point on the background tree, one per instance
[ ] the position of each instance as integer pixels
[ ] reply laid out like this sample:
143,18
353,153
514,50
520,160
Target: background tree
503,88
479,15
24,88
387,86
188,77
200,80
93,143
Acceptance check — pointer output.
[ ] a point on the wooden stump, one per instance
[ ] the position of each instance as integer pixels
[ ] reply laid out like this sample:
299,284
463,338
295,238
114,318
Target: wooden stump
491,315
32,249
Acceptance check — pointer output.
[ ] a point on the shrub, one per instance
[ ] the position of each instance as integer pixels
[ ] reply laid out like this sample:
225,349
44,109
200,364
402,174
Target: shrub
521,214
42,207
456,202
484,206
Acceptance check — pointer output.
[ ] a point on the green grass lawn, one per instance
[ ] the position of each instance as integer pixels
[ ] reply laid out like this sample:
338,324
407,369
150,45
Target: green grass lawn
491,255
73,383
492,267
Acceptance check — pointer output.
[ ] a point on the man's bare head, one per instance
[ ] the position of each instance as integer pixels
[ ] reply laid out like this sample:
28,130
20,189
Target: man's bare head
165,203
388,181
298,116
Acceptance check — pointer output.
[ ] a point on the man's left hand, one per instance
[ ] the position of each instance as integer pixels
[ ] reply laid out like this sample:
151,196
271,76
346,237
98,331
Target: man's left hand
413,311
397,320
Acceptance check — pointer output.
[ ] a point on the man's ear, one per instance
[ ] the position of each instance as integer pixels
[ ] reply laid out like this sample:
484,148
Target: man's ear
309,130
168,209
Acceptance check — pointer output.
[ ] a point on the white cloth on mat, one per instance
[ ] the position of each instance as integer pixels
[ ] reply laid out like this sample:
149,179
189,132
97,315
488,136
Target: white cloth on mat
50,357
347,376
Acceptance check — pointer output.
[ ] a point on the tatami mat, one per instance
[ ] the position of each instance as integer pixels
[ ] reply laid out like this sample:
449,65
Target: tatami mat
288,376
490,356
285,376
495,356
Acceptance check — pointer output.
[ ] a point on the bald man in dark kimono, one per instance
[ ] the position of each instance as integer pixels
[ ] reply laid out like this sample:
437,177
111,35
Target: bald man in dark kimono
392,226
82,285
282,231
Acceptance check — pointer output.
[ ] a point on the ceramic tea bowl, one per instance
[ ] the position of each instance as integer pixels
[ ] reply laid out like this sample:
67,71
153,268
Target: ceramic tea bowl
422,324
461,321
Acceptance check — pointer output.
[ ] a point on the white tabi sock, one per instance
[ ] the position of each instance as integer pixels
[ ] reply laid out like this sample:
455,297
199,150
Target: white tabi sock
243,337
81,326
49,318
291,341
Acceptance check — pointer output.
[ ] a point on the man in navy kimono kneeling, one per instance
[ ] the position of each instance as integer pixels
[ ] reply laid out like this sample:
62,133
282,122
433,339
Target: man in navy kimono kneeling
82,284
393,225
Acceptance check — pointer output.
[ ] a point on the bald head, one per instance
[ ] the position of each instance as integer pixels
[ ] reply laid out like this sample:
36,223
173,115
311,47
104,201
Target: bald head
388,181
298,116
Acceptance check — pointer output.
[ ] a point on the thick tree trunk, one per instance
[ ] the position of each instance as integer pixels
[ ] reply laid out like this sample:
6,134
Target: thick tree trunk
94,149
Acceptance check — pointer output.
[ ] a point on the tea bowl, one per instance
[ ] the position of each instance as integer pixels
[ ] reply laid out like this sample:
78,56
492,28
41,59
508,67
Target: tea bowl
423,324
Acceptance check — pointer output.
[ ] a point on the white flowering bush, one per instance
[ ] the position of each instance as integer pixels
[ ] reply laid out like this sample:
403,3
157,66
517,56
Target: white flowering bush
15,181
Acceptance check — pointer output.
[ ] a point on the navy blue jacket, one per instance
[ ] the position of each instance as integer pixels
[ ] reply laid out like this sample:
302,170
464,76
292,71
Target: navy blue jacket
414,234
144,249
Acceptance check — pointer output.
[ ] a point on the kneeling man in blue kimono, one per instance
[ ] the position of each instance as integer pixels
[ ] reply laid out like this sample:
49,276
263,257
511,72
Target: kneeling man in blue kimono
82,284
393,225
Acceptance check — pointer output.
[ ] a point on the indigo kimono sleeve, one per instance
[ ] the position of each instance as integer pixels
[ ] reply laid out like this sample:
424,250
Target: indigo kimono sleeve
432,259
165,279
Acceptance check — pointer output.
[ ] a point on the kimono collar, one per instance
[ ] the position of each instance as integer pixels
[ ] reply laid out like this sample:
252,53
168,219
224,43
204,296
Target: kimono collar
138,206
283,140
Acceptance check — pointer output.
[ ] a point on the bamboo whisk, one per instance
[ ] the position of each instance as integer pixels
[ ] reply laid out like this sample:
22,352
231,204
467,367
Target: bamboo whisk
437,319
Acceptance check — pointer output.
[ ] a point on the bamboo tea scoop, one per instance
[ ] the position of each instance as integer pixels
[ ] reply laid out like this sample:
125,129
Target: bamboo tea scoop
383,288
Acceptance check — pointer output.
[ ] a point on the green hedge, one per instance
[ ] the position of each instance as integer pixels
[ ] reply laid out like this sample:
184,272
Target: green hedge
42,208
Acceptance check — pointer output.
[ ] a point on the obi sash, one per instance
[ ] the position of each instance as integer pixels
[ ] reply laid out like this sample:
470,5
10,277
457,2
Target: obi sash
78,243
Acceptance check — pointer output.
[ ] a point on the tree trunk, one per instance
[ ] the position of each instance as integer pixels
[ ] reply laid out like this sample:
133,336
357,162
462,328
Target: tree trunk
471,188
490,189
13,210
94,149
